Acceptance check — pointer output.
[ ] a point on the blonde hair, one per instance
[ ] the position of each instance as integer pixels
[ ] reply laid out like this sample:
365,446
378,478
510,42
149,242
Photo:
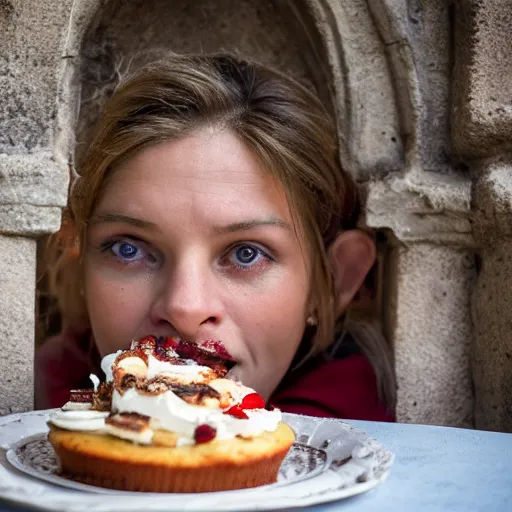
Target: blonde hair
284,124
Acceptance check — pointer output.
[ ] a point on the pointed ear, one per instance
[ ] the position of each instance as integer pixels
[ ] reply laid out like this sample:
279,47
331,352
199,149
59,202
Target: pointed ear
351,256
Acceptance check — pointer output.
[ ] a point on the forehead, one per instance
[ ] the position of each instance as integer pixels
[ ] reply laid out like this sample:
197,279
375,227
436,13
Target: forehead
209,173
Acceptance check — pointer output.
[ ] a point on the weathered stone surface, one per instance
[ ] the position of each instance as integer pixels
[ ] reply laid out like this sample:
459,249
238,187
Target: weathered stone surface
493,202
482,113
29,220
431,331
364,97
422,206
416,37
35,179
492,297
30,62
33,190
17,285
492,351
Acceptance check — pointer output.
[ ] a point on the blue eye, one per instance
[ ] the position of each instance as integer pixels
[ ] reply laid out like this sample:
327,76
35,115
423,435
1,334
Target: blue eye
127,251
246,256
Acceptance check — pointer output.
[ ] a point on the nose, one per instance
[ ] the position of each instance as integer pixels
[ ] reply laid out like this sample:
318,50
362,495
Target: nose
188,301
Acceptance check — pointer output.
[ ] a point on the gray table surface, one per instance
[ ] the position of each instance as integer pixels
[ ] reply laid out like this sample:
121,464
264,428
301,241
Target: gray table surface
436,469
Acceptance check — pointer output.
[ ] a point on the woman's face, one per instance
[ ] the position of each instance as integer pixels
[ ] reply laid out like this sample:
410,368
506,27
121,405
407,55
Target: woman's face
191,238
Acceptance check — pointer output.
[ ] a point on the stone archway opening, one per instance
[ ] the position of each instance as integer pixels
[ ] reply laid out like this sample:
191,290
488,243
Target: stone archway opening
126,35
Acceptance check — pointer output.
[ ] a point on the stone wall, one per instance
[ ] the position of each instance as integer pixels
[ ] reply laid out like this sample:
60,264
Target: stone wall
419,91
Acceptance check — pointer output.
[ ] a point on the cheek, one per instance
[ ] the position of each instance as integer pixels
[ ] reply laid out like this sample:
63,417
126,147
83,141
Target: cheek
272,326
115,310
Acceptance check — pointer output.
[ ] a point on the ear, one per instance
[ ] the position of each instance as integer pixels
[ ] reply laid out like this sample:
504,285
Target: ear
351,256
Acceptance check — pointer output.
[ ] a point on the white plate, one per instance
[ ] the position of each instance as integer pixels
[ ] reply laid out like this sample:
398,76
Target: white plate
331,460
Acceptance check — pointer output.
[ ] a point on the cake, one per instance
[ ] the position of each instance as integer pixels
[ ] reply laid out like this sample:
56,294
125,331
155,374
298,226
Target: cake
167,419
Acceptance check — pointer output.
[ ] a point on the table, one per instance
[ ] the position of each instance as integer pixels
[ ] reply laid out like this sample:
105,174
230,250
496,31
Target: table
436,469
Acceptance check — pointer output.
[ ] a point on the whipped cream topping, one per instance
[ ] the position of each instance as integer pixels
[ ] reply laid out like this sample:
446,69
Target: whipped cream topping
77,406
190,373
80,420
107,364
166,410
169,412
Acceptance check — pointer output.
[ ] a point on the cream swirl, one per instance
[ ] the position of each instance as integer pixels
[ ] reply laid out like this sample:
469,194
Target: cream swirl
79,420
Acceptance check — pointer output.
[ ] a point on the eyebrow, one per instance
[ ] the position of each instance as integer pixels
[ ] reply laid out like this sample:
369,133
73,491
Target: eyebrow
111,218
251,224
230,228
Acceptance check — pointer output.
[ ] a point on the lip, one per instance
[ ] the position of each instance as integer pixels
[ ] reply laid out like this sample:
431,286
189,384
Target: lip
217,348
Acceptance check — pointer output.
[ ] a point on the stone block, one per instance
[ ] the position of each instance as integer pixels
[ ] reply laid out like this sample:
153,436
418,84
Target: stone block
35,179
17,285
33,35
29,220
422,206
482,112
33,190
429,322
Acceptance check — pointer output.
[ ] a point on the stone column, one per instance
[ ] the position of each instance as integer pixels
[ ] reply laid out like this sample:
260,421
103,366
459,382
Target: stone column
482,134
32,192
492,299
34,136
429,274
17,285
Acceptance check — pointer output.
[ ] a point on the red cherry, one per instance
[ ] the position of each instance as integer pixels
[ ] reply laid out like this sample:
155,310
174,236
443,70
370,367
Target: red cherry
237,412
253,401
204,433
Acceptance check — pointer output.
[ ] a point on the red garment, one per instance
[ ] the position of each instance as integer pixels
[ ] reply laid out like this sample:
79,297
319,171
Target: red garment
62,363
341,388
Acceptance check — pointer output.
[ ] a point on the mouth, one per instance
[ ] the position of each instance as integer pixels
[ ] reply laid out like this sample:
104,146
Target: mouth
208,351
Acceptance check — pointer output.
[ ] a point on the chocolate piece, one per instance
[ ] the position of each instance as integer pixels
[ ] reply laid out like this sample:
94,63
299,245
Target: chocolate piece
128,421
193,394
81,396
102,398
